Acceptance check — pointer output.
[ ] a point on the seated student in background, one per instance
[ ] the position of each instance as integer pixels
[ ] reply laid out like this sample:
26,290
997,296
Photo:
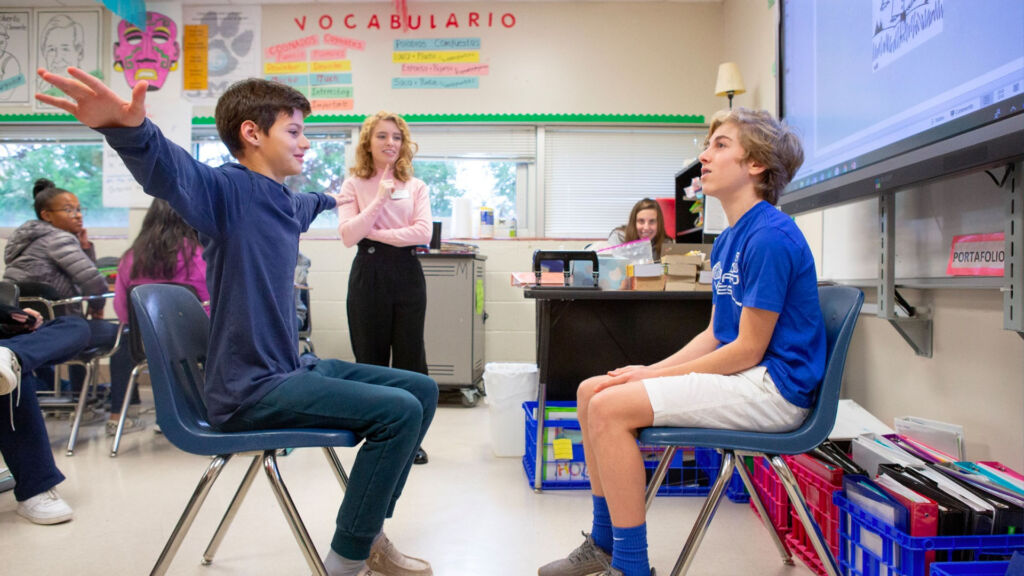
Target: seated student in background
55,249
166,250
757,366
26,343
249,224
645,222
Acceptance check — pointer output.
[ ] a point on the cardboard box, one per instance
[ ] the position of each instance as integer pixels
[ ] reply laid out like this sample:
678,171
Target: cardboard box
695,260
649,283
682,270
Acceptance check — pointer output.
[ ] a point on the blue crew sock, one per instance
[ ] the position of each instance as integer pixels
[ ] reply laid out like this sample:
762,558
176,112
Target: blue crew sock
601,533
629,551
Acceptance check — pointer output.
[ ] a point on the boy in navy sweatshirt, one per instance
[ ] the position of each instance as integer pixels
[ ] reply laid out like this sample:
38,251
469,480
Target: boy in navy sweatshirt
249,224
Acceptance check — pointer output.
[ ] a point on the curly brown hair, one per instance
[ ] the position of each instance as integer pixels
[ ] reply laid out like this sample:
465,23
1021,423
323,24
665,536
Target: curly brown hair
364,158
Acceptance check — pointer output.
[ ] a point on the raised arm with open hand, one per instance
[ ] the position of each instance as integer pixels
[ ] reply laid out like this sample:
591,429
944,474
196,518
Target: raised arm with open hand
92,102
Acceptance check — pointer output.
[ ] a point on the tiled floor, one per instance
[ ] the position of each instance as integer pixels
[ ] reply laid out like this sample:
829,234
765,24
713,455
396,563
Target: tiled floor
466,511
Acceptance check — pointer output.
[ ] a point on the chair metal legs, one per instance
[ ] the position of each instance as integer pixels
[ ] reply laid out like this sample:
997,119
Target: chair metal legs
243,489
659,476
288,506
133,382
339,470
796,499
185,522
83,398
229,515
787,558
707,513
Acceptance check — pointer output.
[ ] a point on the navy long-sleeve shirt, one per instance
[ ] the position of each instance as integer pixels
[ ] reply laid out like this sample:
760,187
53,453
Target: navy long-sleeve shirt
249,226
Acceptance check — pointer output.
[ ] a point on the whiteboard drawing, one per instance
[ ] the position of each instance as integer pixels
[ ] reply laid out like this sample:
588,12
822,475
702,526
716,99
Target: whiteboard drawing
147,54
67,38
900,26
14,55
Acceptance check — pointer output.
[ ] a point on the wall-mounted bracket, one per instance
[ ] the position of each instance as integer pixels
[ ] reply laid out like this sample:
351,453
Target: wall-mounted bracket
1013,271
913,325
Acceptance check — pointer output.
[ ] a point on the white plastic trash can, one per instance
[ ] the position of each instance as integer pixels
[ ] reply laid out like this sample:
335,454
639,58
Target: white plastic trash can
508,385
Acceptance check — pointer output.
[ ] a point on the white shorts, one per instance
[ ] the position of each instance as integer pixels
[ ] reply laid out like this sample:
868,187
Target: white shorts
748,400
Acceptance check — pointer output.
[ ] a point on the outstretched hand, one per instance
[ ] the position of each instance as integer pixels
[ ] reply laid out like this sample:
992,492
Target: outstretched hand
92,102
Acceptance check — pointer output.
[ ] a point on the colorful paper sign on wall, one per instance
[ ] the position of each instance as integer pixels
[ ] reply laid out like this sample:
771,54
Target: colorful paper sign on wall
977,255
196,45
438,63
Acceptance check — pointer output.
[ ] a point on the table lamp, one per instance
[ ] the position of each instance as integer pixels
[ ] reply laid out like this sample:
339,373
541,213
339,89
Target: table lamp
729,81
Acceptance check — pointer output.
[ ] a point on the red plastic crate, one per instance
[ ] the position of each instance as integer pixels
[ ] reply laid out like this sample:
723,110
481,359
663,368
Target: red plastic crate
817,481
773,495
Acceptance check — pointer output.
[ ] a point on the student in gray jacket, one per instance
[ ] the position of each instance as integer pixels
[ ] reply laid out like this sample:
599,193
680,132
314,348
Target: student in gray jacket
55,249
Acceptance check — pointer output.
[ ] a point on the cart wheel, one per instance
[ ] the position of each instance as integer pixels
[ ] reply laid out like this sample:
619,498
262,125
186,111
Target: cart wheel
469,397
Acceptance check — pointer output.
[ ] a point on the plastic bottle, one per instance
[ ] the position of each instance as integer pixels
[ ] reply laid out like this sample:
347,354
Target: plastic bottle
513,229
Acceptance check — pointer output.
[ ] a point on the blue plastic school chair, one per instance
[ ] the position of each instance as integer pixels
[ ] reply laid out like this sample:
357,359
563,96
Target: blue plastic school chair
840,306
175,332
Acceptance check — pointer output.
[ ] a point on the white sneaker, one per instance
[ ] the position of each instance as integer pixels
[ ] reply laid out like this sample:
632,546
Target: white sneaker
45,508
10,371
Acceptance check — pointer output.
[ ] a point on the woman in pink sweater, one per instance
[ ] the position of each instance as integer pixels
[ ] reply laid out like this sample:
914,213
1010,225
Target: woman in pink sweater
166,250
389,216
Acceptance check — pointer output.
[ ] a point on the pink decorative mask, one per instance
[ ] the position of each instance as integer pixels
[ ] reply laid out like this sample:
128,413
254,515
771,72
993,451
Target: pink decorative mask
148,54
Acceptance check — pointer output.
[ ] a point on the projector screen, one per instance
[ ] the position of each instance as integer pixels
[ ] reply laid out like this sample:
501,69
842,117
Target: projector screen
888,93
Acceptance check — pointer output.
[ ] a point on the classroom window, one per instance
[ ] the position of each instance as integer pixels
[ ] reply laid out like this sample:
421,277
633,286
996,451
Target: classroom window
487,164
323,170
594,176
74,166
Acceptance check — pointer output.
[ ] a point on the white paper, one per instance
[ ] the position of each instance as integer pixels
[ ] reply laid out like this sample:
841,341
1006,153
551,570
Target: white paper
714,216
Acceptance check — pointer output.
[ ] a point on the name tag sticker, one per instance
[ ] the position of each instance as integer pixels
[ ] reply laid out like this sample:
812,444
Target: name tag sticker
400,194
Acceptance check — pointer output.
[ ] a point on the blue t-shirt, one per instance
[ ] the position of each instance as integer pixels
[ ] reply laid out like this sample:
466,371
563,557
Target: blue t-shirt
249,226
763,261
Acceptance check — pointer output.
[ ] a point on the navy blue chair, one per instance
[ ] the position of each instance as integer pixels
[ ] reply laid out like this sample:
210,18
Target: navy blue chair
175,333
840,306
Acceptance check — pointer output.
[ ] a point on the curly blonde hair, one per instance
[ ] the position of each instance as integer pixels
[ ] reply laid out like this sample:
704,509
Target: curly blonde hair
364,158
768,142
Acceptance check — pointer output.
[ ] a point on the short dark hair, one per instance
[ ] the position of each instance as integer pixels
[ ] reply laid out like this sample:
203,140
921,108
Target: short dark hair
258,100
43,193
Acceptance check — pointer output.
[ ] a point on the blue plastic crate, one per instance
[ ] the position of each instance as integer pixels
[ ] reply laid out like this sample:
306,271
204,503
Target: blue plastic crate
969,568
685,477
734,490
870,547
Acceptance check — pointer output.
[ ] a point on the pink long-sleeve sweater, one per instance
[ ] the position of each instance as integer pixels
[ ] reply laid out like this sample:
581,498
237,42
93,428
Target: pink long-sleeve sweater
402,220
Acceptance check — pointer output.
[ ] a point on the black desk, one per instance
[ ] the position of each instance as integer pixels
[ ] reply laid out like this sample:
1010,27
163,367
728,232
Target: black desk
583,333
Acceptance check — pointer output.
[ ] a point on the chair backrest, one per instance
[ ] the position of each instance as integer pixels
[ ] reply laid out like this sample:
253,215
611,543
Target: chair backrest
136,345
175,332
43,291
9,294
840,307
307,322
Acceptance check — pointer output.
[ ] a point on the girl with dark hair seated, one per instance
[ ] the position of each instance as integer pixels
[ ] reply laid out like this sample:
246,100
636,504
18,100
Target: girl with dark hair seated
167,250
55,250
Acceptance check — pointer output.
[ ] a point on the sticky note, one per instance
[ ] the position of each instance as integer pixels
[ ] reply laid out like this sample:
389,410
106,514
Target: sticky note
563,449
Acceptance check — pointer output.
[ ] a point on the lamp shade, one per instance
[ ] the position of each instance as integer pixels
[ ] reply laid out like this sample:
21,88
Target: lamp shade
729,80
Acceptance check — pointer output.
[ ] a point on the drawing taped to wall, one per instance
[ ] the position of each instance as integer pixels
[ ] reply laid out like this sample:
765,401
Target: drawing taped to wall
233,53
902,25
149,53
14,58
66,38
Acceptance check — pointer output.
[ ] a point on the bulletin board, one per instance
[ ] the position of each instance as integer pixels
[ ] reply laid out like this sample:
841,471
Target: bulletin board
498,58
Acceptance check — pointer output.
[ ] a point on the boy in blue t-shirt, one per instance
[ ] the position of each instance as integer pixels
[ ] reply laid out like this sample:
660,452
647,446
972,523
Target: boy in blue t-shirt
757,366
249,224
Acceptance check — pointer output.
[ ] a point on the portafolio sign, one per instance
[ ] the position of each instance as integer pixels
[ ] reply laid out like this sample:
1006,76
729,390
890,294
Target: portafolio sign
977,255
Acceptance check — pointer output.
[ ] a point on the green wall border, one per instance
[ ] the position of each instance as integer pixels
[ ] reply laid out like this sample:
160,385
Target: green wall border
56,118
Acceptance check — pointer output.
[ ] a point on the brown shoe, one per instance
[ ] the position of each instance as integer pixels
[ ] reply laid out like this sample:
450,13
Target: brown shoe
385,558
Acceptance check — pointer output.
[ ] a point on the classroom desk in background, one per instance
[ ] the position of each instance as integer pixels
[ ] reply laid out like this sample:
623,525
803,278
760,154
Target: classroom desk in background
583,333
